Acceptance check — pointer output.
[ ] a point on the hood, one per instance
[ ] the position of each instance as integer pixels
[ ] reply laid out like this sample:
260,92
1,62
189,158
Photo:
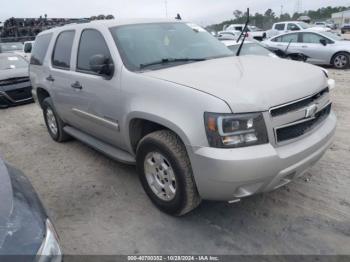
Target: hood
248,83
22,216
12,73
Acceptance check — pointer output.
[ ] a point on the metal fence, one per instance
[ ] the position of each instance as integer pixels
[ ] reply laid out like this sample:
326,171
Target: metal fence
17,39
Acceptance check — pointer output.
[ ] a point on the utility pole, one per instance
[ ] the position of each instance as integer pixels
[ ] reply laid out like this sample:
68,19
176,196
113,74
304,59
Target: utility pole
281,10
166,8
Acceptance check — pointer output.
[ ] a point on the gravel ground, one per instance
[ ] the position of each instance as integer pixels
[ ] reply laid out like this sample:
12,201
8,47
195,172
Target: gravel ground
99,207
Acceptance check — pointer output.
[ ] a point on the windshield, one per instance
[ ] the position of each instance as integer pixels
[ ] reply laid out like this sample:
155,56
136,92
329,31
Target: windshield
250,49
332,36
9,47
304,25
12,62
169,43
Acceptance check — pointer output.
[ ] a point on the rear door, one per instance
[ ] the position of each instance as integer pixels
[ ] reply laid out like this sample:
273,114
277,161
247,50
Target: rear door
61,76
287,43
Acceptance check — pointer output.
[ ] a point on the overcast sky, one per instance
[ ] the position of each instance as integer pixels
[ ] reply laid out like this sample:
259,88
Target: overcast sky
203,12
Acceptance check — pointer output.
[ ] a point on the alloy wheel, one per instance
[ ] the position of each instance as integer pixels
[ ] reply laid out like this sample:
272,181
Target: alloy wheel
340,61
160,176
51,121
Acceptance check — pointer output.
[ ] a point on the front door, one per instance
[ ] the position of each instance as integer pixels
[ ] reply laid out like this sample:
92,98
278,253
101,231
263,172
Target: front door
317,52
99,93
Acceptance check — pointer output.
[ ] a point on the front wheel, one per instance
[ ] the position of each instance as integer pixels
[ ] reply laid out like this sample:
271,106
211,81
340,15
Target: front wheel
341,61
165,173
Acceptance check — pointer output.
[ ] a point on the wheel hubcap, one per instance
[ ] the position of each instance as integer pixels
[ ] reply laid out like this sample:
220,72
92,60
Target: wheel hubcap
340,61
160,176
51,121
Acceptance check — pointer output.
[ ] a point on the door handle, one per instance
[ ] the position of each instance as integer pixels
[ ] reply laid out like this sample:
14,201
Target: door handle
77,85
304,46
50,78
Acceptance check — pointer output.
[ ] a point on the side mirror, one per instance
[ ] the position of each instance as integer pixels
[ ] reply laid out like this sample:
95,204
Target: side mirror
28,48
101,65
323,42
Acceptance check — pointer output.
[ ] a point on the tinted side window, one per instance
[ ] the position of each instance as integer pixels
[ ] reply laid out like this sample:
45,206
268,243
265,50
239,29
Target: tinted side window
311,38
292,27
291,38
91,43
40,48
279,27
63,50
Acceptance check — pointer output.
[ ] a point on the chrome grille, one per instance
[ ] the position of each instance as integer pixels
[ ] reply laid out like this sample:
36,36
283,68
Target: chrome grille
20,93
12,81
293,120
298,104
299,129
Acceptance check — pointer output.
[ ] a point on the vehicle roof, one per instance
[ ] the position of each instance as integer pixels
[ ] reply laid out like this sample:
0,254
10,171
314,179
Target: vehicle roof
310,30
289,22
112,23
241,25
234,42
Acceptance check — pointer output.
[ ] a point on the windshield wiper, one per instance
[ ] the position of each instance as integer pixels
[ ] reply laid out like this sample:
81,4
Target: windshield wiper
170,60
244,34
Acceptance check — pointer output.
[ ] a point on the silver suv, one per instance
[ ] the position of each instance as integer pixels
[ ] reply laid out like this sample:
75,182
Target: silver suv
198,122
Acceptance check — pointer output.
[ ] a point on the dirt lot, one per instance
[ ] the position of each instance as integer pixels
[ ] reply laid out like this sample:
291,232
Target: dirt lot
99,207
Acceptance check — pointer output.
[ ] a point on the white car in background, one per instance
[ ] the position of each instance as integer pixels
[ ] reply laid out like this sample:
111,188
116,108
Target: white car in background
253,31
321,48
228,35
292,26
250,47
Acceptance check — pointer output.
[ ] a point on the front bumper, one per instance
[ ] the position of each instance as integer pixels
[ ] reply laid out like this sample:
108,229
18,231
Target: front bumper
230,174
6,100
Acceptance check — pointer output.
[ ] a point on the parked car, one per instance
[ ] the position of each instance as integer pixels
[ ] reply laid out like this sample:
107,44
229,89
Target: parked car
325,24
345,28
292,26
27,49
321,48
11,47
197,121
228,35
250,47
26,232
253,31
15,86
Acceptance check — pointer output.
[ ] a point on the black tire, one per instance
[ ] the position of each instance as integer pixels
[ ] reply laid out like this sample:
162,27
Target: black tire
60,135
169,145
344,54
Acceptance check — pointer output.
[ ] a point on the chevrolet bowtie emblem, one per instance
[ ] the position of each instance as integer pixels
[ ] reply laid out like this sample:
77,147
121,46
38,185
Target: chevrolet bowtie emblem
311,110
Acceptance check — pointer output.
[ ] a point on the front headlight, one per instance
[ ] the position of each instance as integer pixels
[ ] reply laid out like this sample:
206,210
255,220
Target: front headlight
235,130
50,250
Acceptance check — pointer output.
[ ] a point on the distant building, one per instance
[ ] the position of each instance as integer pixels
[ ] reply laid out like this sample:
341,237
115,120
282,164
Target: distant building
341,18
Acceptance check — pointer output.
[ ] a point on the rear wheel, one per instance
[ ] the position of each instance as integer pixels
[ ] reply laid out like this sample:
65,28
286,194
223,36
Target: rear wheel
341,60
53,122
165,173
